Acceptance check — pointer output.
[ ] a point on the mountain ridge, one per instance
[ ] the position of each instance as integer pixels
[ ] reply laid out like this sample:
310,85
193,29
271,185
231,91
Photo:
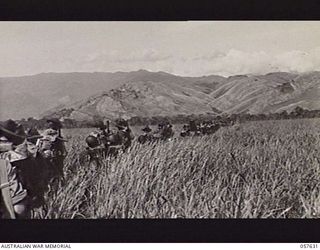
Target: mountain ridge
145,93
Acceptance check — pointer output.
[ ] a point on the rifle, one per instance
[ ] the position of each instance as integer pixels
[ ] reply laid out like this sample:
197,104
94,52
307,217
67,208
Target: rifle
108,127
34,137
20,136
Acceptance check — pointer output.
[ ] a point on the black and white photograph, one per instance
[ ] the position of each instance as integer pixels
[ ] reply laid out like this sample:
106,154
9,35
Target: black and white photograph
160,120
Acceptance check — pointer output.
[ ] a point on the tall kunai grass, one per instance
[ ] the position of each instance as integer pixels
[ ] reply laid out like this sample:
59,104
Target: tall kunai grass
252,170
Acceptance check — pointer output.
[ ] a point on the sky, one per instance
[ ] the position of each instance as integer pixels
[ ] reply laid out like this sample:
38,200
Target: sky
182,48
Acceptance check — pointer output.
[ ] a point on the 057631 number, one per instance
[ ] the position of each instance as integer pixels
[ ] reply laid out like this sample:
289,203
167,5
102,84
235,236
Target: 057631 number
309,245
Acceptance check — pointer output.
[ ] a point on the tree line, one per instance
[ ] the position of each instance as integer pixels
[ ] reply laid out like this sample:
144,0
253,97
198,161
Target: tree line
297,113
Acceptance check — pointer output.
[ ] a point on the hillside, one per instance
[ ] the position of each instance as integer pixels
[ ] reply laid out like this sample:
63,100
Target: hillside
269,93
273,92
34,95
143,93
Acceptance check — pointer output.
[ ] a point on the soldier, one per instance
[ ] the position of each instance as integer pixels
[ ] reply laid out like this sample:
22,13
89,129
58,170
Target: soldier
194,128
185,130
98,144
53,149
124,133
13,152
146,136
159,132
203,128
165,131
100,134
38,170
168,131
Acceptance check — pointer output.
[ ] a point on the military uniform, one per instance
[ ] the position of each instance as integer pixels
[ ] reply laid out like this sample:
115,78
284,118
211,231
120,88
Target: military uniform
14,202
185,131
26,169
164,131
146,136
167,133
52,148
124,133
126,137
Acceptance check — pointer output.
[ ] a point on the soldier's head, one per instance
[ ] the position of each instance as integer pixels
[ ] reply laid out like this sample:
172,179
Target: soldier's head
13,131
32,132
54,123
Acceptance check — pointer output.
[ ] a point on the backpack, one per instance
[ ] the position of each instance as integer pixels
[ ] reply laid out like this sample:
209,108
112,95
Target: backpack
13,190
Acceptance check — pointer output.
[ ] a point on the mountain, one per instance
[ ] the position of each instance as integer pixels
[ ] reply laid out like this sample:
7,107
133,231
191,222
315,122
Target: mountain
34,95
31,95
142,93
270,93
148,94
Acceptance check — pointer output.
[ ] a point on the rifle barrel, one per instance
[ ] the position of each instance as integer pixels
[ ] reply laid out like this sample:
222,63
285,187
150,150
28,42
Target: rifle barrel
34,137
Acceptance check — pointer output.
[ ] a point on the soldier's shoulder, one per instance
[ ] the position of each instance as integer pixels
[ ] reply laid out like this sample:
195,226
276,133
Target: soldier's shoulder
13,156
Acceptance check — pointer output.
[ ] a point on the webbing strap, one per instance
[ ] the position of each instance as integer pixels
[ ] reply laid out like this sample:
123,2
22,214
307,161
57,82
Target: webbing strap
4,185
5,190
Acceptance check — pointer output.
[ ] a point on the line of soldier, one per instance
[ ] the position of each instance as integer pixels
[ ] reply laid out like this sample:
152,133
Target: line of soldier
193,128
203,128
108,142
30,163
164,132
105,141
111,141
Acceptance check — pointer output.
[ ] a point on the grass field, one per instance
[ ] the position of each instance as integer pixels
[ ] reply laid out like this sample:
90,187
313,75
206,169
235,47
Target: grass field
266,169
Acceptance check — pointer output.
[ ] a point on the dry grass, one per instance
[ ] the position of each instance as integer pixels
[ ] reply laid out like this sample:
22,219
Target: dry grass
253,170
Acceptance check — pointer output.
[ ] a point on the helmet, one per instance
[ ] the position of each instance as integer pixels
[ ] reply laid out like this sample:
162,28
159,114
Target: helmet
13,131
92,141
32,131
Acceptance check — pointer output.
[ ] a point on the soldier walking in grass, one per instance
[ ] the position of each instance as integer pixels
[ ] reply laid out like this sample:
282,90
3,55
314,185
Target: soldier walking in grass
53,149
124,133
165,131
146,136
97,144
185,130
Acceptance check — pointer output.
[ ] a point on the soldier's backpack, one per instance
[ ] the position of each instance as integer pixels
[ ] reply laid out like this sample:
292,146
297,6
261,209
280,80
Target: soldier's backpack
126,137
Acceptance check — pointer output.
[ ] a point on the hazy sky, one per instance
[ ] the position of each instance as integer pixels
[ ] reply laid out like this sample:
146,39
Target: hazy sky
183,48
